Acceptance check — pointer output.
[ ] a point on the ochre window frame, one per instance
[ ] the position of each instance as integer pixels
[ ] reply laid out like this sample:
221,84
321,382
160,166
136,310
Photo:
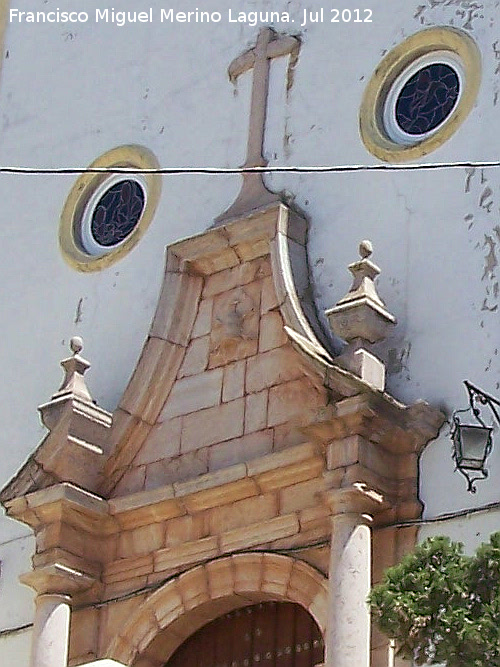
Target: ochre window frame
136,157
451,40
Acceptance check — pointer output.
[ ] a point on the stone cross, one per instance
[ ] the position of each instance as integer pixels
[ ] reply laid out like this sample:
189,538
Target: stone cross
253,193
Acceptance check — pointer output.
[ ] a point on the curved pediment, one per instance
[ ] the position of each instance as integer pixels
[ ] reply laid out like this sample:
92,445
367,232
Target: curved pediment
235,367
232,364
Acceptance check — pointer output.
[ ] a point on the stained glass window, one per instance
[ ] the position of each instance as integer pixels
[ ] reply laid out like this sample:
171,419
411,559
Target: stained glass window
427,99
117,213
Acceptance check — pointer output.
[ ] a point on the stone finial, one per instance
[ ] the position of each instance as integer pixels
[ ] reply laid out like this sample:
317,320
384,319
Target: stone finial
361,319
73,449
76,344
361,313
74,369
365,249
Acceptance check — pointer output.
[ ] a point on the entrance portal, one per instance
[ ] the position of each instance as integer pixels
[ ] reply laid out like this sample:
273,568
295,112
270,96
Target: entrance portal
270,634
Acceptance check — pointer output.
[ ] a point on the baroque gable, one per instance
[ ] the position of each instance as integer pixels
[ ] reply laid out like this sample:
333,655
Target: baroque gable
245,462
238,433
220,382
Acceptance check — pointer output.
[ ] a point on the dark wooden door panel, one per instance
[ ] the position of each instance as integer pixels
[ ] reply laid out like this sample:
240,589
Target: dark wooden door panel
270,634
303,631
264,633
285,635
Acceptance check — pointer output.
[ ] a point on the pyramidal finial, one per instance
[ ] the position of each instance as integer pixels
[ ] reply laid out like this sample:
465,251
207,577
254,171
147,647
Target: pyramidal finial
361,318
361,313
74,369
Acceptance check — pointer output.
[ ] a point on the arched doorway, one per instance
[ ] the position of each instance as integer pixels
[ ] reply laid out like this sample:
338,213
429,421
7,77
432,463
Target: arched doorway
153,633
269,634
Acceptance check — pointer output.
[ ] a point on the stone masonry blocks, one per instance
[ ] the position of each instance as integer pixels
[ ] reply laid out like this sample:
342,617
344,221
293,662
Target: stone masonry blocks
240,275
290,400
163,441
235,325
239,450
194,393
272,331
196,357
242,512
234,381
220,574
272,368
213,425
193,587
203,322
256,411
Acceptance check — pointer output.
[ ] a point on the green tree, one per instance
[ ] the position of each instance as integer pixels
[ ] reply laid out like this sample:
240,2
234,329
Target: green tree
442,606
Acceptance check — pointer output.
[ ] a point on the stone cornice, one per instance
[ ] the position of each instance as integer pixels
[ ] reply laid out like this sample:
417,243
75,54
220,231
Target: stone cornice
62,502
77,507
356,499
393,425
57,578
73,450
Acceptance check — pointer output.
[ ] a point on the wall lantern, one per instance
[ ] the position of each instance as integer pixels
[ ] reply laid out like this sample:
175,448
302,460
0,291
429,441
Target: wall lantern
473,442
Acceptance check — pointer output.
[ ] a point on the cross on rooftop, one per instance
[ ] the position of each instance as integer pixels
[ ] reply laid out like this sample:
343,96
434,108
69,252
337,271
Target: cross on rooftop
253,193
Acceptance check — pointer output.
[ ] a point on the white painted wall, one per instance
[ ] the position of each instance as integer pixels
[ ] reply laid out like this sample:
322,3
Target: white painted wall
15,649
68,95
16,602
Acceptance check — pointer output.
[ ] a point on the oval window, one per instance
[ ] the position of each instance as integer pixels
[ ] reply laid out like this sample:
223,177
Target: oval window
112,214
419,94
422,98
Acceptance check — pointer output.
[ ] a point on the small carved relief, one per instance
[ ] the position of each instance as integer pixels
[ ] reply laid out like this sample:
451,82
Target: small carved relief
235,325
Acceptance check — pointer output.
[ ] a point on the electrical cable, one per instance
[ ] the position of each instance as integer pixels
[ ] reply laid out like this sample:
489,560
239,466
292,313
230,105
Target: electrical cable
459,514
14,631
319,169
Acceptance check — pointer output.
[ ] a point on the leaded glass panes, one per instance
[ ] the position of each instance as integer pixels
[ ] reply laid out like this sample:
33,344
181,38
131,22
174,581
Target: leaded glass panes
117,213
427,99
420,93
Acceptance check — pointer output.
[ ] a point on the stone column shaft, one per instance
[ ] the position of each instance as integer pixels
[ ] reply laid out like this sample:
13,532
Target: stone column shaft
348,632
51,631
348,637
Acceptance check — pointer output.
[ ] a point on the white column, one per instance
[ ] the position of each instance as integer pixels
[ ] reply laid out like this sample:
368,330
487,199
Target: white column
348,631
348,637
51,631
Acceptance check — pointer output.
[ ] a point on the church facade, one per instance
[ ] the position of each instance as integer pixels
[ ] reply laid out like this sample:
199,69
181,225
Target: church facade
245,436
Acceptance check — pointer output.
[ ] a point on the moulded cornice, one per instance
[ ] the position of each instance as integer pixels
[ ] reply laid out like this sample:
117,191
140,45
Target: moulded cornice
60,502
57,578
73,450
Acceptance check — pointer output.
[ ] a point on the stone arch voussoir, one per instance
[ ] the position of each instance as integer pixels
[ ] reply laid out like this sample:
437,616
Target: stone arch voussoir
208,591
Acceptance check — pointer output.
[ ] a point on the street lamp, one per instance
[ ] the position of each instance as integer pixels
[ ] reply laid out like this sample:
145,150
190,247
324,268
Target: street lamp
473,442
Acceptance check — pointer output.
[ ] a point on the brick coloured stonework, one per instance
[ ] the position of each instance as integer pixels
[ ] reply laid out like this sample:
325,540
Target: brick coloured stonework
240,376
210,487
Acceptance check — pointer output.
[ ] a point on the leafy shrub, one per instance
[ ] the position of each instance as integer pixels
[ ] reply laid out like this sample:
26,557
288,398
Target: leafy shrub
442,606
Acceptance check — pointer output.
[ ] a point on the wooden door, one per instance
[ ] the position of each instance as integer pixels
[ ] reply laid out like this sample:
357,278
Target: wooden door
270,634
